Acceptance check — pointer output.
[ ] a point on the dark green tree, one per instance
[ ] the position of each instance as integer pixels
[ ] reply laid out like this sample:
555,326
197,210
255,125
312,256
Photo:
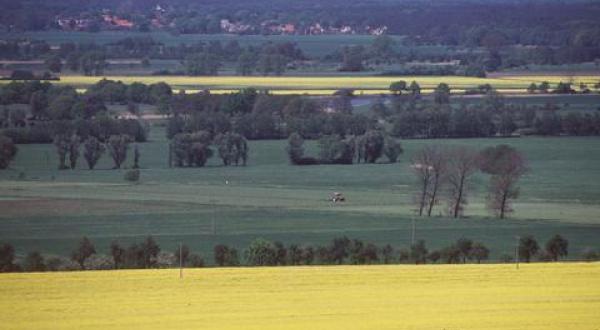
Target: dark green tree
7,258
441,94
419,252
528,247
34,262
92,151
557,247
118,145
84,250
261,253
226,256
8,151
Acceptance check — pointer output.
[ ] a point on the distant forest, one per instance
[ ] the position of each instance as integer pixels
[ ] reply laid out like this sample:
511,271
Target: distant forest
459,22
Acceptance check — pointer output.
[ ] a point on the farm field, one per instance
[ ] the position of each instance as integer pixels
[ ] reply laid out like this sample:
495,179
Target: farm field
535,296
320,85
314,45
51,210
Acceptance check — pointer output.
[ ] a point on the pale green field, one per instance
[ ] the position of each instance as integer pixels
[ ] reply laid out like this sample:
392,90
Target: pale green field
50,210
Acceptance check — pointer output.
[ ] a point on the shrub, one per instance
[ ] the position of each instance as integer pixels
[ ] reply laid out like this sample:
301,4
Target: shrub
34,262
132,175
98,262
8,151
61,264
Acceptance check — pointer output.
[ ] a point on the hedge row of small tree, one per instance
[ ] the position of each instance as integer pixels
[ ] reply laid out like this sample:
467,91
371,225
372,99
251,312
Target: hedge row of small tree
68,146
260,252
334,149
194,149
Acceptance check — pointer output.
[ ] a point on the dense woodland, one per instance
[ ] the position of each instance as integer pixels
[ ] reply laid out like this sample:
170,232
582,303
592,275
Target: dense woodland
480,36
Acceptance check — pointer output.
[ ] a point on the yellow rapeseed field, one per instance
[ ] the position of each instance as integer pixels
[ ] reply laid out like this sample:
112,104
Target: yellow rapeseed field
326,85
536,296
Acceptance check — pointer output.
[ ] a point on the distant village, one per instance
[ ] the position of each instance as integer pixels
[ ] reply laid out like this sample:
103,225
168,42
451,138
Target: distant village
161,21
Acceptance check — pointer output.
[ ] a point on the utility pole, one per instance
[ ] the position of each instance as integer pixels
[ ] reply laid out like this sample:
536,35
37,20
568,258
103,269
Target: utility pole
180,260
214,222
412,236
517,251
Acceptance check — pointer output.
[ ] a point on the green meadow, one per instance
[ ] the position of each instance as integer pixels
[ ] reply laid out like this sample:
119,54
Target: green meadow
50,210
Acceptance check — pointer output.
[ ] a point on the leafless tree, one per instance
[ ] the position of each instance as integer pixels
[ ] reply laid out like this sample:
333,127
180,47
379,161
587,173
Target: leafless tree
429,165
463,164
506,165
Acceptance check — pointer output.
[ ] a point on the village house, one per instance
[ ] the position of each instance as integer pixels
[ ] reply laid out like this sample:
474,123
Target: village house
117,21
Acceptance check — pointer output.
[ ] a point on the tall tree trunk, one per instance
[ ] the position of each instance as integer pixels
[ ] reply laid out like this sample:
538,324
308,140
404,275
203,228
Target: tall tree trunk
459,198
503,204
433,196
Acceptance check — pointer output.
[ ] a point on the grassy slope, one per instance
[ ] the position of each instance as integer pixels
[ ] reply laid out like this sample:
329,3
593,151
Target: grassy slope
272,199
536,296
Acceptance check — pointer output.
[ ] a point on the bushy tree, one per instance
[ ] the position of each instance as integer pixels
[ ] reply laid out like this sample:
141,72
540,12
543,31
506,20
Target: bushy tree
335,150
74,144
8,151
191,149
419,252
34,262
506,166
202,64
118,145
296,254
93,63
53,63
232,148
62,143
246,63
479,252
464,246
528,248
118,254
557,247
226,256
136,157
339,250
149,252
392,149
261,253
414,89
387,254
370,146
92,151
361,253
84,250
441,94
451,254
397,87
38,105
7,258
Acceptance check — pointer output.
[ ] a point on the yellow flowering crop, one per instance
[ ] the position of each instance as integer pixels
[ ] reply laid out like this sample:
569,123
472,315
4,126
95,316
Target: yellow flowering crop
536,296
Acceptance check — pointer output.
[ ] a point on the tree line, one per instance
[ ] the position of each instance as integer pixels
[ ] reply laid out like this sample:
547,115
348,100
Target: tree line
334,149
260,252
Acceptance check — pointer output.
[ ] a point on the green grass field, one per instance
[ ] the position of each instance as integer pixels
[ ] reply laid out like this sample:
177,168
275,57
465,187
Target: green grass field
50,210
